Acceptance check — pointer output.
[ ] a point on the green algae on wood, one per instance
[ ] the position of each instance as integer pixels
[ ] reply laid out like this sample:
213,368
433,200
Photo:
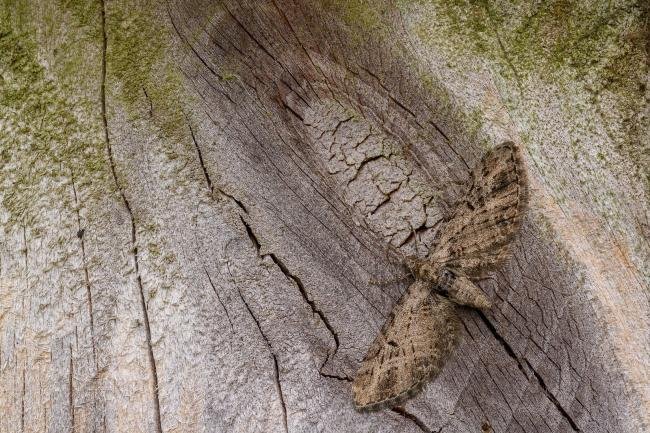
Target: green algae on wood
45,138
581,45
138,61
365,15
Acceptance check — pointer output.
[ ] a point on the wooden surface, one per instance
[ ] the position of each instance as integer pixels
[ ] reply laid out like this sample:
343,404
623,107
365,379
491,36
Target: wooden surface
216,254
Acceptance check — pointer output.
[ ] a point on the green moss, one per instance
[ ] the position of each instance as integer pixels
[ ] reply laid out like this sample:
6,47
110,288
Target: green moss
138,58
154,250
149,227
528,36
45,137
363,19
228,76
358,14
596,45
169,258
15,14
85,14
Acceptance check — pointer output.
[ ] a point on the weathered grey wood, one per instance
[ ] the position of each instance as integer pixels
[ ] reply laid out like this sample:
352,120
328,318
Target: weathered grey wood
203,203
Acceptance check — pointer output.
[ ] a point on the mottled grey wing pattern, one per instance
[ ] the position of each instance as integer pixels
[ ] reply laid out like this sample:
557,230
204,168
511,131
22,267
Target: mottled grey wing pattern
411,348
476,237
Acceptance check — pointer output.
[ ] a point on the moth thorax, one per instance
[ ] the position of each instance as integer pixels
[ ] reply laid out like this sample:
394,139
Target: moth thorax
423,269
428,272
462,290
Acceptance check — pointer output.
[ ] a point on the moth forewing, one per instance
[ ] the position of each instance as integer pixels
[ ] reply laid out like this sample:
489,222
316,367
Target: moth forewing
411,348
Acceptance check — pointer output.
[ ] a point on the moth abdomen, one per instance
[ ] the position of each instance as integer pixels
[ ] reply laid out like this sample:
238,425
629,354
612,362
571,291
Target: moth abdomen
461,290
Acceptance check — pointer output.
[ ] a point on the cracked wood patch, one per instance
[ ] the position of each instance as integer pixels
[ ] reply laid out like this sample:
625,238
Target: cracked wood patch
380,183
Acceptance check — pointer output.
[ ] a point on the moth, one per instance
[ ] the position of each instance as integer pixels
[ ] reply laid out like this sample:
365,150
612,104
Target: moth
423,328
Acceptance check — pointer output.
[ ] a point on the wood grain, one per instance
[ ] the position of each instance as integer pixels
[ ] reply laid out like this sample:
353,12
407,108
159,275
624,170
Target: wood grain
219,277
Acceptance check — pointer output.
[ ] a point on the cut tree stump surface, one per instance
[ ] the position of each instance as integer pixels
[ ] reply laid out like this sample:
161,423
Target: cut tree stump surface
212,237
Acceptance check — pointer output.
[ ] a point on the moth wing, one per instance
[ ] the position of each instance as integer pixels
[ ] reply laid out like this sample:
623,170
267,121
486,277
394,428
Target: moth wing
411,349
477,236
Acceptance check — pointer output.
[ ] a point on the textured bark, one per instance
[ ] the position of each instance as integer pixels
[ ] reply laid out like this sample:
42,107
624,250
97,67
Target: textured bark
205,205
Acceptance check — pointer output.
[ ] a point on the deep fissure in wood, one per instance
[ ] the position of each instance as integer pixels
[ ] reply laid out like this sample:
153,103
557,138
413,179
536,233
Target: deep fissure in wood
127,205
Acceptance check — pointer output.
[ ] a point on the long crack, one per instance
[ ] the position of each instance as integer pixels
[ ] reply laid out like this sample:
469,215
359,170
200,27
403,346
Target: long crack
143,305
503,342
553,399
537,376
89,294
301,288
71,392
216,292
276,369
22,405
200,156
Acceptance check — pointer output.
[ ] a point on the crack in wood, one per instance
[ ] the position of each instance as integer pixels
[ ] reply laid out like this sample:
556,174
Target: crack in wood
503,342
22,405
89,294
71,393
260,46
200,155
362,164
239,203
333,376
408,415
207,274
280,393
334,131
310,302
289,108
301,288
537,376
146,96
143,305
449,145
553,399
390,95
26,253
171,19
288,86
276,369
325,78
441,132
